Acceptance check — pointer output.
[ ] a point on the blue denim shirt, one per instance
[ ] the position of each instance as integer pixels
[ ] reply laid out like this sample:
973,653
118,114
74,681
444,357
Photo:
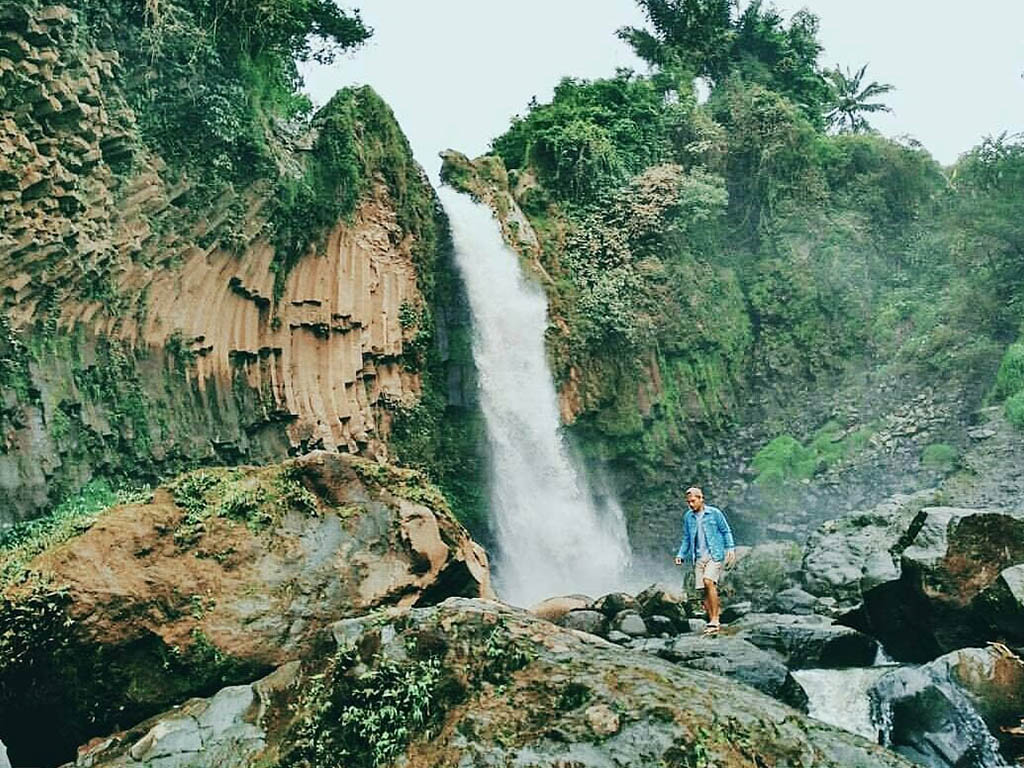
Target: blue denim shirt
717,529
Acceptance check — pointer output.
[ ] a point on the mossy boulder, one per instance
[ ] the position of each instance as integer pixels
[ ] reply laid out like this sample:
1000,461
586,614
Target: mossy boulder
223,576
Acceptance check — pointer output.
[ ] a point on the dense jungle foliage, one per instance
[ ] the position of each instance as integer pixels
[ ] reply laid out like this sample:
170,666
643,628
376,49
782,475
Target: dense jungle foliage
765,237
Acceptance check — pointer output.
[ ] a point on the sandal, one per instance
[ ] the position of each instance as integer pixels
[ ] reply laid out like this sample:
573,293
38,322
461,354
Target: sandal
712,629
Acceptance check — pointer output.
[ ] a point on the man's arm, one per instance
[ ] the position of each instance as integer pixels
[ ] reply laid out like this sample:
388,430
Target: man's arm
730,543
684,546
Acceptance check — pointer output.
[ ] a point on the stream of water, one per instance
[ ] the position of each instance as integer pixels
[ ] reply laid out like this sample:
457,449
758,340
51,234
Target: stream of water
552,536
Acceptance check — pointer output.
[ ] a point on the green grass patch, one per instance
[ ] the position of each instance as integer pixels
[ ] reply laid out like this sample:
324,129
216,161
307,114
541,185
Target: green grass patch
785,460
939,456
255,498
22,542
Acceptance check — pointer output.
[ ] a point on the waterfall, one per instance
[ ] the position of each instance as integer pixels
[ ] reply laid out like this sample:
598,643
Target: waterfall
839,697
552,537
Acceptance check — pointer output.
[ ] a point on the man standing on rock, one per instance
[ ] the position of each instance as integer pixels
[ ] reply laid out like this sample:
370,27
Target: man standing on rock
708,544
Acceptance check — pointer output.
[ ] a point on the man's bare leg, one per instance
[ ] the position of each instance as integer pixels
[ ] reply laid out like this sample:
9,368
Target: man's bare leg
711,602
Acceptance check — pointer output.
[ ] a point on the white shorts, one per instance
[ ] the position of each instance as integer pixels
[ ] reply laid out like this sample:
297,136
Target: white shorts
706,568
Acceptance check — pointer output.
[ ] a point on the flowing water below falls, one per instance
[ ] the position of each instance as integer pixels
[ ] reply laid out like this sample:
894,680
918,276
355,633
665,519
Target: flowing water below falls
552,536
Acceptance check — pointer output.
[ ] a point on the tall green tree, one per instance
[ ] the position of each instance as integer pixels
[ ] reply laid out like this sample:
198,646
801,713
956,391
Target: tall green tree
851,99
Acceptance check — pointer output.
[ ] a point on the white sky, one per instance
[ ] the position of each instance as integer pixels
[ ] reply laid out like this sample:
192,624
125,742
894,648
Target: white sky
455,71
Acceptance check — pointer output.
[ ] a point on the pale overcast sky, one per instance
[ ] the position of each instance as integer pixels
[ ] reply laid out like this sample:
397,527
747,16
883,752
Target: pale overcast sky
455,71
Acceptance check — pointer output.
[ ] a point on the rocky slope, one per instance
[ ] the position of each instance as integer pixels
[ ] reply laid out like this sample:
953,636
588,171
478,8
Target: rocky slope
146,328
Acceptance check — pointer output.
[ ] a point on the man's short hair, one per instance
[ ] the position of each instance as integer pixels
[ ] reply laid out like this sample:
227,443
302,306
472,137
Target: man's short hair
694,490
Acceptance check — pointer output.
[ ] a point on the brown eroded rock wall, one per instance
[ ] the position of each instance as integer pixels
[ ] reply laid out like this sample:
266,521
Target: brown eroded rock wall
140,330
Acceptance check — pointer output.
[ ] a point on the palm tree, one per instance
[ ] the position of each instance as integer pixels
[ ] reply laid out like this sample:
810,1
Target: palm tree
850,99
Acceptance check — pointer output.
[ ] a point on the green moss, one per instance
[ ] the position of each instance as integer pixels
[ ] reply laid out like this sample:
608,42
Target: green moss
939,456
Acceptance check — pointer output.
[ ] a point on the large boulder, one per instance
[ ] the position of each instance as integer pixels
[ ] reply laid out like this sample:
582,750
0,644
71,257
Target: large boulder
805,642
731,657
554,608
665,600
761,572
224,576
847,556
949,581
539,695
953,710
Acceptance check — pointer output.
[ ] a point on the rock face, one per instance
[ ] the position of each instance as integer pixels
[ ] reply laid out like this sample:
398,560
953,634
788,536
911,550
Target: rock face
141,337
806,642
847,556
221,578
949,579
732,657
952,711
542,696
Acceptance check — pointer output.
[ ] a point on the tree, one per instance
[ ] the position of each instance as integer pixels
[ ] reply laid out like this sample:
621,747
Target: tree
850,99
695,35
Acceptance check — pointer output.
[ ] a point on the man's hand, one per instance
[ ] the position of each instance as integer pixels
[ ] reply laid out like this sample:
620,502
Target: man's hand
679,561
730,558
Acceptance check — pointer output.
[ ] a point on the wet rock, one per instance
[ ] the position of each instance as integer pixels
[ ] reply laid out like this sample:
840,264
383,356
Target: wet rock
950,712
794,600
617,637
806,642
941,599
849,555
735,658
4,762
664,600
734,611
629,622
1003,602
586,620
628,713
660,625
614,603
554,608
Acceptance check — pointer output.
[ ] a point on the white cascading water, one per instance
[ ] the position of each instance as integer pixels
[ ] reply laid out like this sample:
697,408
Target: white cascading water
551,535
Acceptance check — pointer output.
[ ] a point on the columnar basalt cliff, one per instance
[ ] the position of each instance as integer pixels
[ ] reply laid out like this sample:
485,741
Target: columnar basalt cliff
150,324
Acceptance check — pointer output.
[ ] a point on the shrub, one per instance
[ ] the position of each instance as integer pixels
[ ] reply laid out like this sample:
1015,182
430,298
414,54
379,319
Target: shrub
1010,377
1014,410
939,456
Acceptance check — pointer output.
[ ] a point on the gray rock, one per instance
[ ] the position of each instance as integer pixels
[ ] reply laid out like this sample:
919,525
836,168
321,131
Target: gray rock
696,625
223,730
734,611
629,622
664,600
614,603
808,642
947,595
738,659
4,762
617,637
660,625
949,712
851,554
585,620
794,600
761,572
